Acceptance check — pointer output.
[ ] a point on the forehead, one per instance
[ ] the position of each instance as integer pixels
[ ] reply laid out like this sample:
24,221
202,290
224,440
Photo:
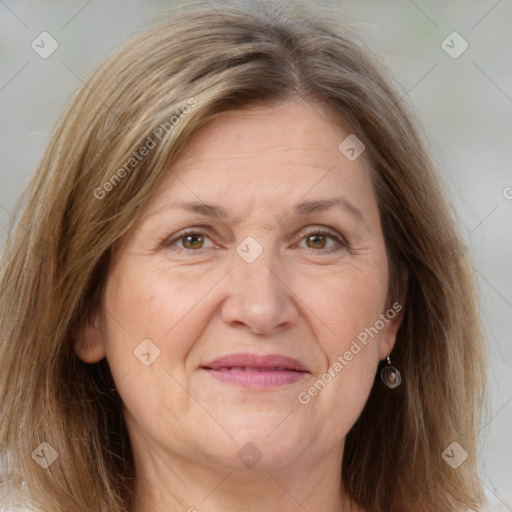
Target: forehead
268,156
273,134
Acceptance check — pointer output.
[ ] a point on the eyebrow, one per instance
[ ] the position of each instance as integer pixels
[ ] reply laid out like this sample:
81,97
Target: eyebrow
302,209
306,208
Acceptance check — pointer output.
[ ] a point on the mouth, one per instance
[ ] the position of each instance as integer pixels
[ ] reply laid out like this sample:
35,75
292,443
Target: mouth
256,372
253,369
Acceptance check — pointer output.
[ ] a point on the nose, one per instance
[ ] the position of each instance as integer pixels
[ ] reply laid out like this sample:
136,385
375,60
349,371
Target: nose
259,298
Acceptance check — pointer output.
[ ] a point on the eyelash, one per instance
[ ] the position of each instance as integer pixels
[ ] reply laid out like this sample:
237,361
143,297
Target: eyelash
169,242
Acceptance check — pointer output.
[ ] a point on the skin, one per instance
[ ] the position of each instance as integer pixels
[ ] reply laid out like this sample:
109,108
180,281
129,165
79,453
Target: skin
205,301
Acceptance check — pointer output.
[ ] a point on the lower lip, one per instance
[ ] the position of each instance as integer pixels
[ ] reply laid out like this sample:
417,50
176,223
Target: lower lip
256,379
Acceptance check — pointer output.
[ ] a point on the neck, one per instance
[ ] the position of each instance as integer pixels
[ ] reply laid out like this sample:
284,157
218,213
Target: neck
172,483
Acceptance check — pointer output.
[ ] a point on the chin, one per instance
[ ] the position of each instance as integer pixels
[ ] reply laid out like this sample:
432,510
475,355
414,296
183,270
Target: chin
273,443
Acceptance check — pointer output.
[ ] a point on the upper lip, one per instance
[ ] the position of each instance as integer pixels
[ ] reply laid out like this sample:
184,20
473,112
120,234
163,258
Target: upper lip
275,361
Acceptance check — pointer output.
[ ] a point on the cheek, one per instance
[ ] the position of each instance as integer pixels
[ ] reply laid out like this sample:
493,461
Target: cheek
348,304
348,391
347,309
147,328
150,323
338,393
150,303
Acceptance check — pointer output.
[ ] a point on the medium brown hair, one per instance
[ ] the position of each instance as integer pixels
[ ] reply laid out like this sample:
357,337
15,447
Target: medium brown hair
214,59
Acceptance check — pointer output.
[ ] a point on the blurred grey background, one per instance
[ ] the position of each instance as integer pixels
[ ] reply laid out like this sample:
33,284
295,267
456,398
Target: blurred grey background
462,95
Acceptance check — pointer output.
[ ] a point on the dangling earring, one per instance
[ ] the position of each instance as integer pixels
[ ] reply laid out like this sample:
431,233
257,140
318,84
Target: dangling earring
390,375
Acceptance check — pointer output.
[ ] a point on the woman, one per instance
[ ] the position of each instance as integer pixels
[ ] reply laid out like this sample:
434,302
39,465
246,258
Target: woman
237,284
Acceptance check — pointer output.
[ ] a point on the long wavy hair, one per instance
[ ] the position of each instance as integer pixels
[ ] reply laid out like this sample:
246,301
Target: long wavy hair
89,187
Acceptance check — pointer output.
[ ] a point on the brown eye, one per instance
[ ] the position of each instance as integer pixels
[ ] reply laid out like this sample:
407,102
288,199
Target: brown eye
193,241
318,241
189,241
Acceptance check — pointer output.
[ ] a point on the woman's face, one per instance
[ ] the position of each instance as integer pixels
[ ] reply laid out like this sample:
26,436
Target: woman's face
264,240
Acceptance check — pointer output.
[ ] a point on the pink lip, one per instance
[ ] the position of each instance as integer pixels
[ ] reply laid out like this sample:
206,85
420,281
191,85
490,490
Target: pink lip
253,371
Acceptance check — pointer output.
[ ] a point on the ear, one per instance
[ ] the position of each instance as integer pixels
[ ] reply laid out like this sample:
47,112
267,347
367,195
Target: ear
89,343
393,317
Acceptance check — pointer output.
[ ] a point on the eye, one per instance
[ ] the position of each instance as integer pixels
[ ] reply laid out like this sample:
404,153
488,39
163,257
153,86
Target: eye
191,241
316,240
